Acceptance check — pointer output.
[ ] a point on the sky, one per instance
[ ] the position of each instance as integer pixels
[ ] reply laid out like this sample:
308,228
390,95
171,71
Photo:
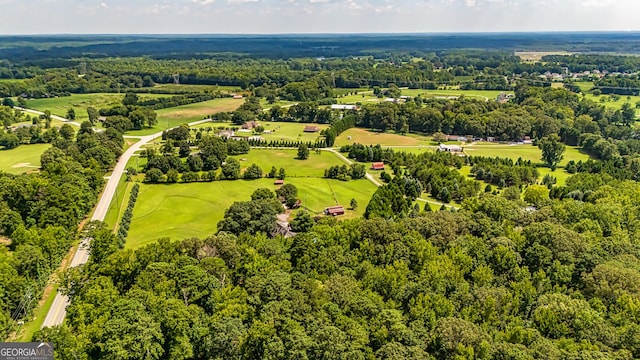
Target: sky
313,16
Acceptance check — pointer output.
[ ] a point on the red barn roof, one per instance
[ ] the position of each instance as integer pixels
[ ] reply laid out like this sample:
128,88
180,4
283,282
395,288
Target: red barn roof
334,210
278,182
311,128
377,166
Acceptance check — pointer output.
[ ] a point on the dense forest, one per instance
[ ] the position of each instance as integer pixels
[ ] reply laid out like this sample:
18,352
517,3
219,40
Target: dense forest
490,280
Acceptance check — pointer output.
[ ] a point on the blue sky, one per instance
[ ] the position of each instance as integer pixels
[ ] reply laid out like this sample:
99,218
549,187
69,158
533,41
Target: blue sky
313,16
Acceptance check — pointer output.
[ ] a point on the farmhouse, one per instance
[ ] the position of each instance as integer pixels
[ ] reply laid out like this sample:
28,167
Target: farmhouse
334,210
227,134
311,129
377,166
278,182
450,148
250,125
343,107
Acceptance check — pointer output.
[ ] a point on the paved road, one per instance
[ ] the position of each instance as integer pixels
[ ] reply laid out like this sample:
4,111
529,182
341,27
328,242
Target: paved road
58,311
52,116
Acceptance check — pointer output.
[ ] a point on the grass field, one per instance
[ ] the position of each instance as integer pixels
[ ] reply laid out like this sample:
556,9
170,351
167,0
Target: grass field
610,103
364,136
526,152
175,116
179,211
22,159
184,88
288,131
80,102
314,166
365,97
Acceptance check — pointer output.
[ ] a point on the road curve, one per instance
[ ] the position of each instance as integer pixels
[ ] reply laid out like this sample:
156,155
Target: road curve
58,311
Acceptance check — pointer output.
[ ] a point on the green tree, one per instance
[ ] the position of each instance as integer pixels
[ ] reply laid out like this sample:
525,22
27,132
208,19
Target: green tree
262,193
130,99
288,193
67,132
536,194
353,204
303,152
251,216
172,176
281,174
8,102
93,114
552,150
302,222
252,172
71,114
231,169
153,175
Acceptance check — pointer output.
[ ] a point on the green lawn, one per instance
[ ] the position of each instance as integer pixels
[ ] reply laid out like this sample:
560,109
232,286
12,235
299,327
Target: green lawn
366,137
366,97
80,102
288,131
179,211
188,88
22,159
608,101
175,116
314,166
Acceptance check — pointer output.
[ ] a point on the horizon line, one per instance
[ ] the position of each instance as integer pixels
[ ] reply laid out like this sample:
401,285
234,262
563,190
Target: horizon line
340,33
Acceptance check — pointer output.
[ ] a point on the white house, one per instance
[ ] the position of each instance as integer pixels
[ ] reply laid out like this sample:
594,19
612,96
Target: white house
343,107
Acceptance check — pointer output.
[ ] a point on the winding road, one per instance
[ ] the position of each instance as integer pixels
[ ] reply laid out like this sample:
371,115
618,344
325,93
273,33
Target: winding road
58,311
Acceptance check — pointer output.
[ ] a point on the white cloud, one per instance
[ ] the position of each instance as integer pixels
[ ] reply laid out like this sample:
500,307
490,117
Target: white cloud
202,2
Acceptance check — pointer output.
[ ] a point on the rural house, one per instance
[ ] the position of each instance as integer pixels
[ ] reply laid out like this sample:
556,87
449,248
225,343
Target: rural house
311,128
450,148
278,182
250,125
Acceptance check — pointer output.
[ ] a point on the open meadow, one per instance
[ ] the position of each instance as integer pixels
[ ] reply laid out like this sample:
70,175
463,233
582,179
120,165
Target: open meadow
178,115
180,211
366,137
80,102
22,159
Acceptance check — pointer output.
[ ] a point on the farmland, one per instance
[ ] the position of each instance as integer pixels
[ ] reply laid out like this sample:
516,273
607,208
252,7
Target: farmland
175,116
364,136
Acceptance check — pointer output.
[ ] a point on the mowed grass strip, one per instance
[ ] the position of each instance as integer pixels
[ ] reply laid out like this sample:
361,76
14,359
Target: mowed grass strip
22,159
180,211
314,166
370,137
178,115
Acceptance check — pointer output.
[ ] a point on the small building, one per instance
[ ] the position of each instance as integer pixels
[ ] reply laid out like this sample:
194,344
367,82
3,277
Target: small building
102,118
491,139
334,210
311,129
250,125
254,138
450,148
527,140
377,166
227,134
266,132
237,96
343,107
278,182
284,229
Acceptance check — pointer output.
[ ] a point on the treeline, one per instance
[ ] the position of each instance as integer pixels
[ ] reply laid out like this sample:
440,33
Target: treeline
125,222
503,172
40,212
337,128
346,173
